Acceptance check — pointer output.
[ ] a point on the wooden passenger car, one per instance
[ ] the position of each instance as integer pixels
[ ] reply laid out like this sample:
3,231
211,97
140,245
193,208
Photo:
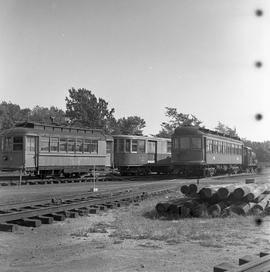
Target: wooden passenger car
198,151
141,154
51,150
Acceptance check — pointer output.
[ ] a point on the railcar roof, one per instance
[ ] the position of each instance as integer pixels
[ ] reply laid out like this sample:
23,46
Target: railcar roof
192,130
18,131
37,128
35,125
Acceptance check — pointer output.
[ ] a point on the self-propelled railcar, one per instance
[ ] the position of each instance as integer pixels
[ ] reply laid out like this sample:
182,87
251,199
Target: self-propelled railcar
202,152
141,154
41,149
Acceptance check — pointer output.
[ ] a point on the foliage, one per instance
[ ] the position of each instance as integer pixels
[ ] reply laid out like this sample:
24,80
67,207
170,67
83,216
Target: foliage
84,109
47,115
10,113
262,149
226,130
131,125
176,120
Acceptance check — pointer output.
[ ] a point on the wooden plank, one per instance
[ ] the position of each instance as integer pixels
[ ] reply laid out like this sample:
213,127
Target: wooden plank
255,266
223,267
248,258
8,227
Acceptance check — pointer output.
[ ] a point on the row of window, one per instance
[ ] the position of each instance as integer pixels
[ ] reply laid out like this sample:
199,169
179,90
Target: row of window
9,144
187,143
137,146
128,145
214,146
53,144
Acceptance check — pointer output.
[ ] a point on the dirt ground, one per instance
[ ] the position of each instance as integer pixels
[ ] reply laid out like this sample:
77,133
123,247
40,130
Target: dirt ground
97,243
124,239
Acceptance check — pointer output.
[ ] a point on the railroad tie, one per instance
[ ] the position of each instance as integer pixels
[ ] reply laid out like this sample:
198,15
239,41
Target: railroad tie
57,217
93,210
125,202
102,207
65,213
118,203
8,227
110,205
258,262
85,210
27,222
81,212
248,258
73,214
44,219
224,267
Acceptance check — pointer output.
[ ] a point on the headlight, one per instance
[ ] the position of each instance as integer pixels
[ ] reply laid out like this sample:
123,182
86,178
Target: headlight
5,158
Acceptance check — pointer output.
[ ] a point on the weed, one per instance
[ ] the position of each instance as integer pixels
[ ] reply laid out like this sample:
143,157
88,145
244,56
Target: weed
142,222
99,227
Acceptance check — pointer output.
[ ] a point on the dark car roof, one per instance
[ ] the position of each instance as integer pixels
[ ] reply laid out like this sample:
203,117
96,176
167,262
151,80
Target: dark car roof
192,130
28,128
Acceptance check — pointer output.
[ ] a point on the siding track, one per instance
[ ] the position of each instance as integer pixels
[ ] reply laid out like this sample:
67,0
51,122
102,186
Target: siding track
35,213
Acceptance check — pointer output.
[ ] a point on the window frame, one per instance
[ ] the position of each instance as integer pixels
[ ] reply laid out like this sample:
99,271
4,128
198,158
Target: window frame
192,143
73,146
176,145
121,145
139,147
169,147
62,142
79,147
188,141
53,141
41,142
94,147
128,146
17,144
109,144
134,142
28,144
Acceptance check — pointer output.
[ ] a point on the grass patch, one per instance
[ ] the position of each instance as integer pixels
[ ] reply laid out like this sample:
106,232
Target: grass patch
211,243
99,227
142,222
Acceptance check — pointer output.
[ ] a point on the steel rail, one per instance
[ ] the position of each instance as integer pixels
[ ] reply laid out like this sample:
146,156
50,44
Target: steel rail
34,211
106,191
26,180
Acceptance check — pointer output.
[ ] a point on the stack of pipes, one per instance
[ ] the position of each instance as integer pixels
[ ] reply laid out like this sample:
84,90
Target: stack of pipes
215,201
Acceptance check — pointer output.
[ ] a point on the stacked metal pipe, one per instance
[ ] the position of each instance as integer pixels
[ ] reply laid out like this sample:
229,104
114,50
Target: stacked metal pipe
215,201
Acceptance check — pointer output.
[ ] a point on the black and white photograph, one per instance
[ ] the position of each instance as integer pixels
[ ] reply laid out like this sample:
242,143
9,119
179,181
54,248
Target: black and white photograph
134,135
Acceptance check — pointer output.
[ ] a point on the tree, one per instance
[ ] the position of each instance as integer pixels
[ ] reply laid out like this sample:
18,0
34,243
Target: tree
222,128
84,109
261,149
47,115
176,120
11,113
131,125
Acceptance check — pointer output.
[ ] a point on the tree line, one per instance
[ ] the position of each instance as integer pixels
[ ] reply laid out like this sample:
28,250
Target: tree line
84,109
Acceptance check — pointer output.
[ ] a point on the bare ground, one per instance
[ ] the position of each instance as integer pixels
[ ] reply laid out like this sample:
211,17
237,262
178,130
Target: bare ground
132,239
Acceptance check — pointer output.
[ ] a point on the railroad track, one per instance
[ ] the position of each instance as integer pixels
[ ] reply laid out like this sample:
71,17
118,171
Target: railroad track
109,190
26,180
35,213
248,263
15,180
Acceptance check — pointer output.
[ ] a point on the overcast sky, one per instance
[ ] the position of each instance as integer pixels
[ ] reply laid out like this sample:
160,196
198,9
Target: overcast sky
142,56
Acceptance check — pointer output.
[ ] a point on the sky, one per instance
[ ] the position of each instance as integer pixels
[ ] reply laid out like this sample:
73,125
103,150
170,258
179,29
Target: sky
142,56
